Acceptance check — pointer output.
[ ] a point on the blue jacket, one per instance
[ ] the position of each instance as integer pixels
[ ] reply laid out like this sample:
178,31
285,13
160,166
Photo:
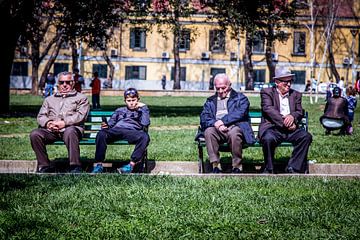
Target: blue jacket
238,114
130,119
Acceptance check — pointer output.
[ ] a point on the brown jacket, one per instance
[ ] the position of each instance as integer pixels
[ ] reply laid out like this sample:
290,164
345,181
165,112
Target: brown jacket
336,108
270,108
72,108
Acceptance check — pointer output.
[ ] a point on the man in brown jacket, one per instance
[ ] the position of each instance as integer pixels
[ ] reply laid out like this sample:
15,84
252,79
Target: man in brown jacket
61,117
335,113
281,111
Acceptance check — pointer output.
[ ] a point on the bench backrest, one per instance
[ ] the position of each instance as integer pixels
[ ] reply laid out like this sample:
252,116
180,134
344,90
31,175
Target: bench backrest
255,118
93,123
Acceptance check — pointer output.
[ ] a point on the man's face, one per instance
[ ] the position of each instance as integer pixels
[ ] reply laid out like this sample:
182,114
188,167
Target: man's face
284,84
65,83
131,102
222,87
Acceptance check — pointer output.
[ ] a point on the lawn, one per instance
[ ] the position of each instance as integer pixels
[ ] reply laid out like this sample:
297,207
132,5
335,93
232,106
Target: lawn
174,122
110,206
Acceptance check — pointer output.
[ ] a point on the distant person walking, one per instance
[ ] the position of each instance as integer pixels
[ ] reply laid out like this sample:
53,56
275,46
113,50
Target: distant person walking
352,102
79,80
50,83
95,91
163,82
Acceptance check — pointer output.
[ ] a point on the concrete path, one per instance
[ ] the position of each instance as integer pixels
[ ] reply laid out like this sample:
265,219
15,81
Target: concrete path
191,169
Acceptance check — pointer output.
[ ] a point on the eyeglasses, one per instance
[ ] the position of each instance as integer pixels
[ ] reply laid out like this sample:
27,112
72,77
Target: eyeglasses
62,82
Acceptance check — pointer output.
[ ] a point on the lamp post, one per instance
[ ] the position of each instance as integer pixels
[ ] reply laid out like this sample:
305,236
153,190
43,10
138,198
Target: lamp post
353,32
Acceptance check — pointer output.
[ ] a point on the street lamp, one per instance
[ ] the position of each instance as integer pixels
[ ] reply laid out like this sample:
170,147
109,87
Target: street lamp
353,32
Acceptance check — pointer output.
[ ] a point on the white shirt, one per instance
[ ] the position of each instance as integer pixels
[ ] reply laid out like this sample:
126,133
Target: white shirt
284,104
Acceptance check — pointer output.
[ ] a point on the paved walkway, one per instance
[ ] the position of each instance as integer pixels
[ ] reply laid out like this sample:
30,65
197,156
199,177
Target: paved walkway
191,169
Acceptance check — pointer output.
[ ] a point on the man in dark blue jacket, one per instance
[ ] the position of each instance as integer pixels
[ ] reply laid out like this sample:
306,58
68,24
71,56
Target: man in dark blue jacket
225,118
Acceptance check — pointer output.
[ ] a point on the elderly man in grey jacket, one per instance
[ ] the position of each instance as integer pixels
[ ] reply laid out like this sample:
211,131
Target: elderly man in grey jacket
61,117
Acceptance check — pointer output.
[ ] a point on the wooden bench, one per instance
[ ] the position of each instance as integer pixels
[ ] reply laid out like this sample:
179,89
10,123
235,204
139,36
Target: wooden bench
255,119
93,126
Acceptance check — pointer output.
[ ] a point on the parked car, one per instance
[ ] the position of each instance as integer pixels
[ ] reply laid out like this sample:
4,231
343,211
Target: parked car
260,85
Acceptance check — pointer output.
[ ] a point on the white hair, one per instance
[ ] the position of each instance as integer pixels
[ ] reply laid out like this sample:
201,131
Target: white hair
222,76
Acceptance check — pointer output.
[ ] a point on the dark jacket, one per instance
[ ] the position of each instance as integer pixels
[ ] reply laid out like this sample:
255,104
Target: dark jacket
238,114
130,119
270,108
336,108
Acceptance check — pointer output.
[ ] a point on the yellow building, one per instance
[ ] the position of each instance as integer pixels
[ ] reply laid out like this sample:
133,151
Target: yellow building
141,57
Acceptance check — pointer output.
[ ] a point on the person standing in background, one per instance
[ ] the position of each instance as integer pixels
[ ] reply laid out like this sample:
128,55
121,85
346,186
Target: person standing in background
95,91
79,80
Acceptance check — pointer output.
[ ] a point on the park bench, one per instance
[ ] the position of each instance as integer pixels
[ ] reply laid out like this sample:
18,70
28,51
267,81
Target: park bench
93,126
255,119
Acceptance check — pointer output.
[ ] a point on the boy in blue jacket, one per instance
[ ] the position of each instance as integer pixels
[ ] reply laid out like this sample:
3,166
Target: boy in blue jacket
126,123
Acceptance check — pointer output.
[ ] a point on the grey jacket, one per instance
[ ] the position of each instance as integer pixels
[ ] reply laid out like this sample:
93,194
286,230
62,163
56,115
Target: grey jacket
72,108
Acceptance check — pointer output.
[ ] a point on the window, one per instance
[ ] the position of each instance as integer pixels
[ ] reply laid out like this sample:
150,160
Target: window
184,40
213,72
258,42
20,69
60,67
259,75
135,72
299,77
182,73
217,41
138,38
299,43
101,69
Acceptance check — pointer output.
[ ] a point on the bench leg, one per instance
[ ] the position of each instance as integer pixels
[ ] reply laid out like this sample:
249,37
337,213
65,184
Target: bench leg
146,163
201,159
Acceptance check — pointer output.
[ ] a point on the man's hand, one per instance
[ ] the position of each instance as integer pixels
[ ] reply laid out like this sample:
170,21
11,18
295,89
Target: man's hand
104,125
223,129
218,123
55,126
292,127
288,121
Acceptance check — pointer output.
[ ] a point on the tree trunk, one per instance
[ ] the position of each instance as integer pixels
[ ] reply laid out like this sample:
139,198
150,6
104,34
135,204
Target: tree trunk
50,62
74,54
111,66
176,60
268,50
12,26
332,62
248,66
35,61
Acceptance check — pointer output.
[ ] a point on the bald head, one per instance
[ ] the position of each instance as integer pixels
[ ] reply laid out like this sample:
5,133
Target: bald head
222,85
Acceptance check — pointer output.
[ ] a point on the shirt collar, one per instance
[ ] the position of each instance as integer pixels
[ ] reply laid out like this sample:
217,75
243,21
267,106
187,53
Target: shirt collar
282,96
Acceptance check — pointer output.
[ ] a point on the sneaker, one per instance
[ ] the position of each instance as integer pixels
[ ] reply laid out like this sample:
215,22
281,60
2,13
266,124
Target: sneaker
75,169
46,169
125,169
98,168
216,170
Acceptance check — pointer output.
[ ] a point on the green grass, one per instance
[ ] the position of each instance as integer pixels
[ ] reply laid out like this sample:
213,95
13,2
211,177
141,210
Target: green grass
161,207
174,122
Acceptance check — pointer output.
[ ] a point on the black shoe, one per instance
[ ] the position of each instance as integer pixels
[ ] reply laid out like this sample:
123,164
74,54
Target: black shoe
46,169
268,171
236,170
327,132
75,169
290,170
216,170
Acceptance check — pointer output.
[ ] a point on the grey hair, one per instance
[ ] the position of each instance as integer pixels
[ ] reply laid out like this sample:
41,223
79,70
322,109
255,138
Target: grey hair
222,76
65,74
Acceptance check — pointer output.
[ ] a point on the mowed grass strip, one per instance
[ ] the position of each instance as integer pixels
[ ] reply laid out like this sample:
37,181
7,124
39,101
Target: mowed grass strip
163,207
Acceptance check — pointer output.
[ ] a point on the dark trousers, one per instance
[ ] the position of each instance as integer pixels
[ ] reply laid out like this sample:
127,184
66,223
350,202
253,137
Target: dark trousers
95,101
41,137
300,140
233,137
140,138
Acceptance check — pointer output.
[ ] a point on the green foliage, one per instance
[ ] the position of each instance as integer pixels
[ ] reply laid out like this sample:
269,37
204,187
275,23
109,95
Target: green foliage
161,207
174,122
